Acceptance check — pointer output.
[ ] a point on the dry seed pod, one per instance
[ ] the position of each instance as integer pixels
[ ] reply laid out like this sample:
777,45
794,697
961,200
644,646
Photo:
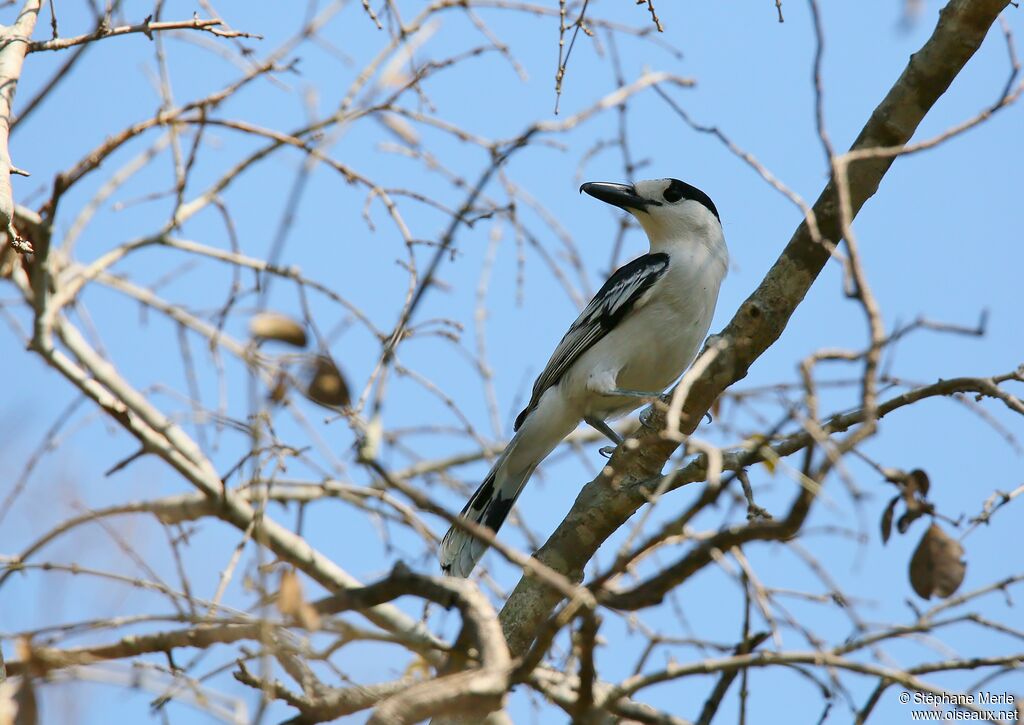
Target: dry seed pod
917,480
887,518
289,596
291,602
937,566
280,389
326,384
275,326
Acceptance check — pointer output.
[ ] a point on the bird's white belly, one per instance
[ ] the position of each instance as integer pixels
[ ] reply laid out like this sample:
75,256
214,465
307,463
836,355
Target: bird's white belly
645,352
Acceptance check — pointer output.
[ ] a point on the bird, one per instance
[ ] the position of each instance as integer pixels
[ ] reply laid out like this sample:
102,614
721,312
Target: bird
637,335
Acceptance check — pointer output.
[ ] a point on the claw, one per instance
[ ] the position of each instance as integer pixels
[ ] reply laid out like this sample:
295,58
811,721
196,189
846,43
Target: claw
606,451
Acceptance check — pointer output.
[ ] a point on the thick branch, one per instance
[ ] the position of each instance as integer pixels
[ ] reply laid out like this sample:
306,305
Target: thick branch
471,692
601,507
14,40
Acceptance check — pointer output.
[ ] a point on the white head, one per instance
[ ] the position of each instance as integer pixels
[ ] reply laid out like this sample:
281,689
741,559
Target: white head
670,211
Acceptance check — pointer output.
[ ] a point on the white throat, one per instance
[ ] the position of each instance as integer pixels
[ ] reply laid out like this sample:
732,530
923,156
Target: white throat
688,234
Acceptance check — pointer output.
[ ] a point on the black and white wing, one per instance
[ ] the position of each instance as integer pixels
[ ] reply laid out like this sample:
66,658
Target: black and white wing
613,301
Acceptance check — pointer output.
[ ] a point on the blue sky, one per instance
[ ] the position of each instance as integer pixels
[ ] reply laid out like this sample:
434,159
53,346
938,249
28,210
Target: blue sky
942,238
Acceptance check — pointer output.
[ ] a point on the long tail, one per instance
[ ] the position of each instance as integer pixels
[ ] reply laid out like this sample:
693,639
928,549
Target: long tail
489,505
542,430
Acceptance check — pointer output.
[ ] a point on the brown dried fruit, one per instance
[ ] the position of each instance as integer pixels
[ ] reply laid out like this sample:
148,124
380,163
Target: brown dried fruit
917,480
326,385
291,603
914,488
275,326
937,566
308,617
887,518
289,596
280,389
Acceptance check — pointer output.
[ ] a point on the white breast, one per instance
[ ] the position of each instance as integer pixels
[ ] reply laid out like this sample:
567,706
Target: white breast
658,340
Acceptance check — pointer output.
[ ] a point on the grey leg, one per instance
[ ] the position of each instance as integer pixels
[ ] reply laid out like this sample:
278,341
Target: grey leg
602,427
633,393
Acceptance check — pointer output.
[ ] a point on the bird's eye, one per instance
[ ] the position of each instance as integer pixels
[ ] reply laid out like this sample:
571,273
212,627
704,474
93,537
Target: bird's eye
673,194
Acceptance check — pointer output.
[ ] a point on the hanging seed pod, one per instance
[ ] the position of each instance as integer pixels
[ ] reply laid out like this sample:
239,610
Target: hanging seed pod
280,389
292,603
937,566
326,384
275,326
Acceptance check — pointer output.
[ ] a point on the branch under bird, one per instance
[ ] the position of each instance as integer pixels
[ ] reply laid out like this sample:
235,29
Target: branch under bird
637,335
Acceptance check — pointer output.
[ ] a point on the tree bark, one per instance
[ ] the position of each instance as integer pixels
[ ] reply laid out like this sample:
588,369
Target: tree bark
14,40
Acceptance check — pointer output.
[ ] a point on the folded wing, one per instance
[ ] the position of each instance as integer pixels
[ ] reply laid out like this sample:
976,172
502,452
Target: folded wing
619,295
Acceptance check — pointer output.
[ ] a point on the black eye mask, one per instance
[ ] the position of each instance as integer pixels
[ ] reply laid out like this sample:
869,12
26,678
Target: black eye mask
681,190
